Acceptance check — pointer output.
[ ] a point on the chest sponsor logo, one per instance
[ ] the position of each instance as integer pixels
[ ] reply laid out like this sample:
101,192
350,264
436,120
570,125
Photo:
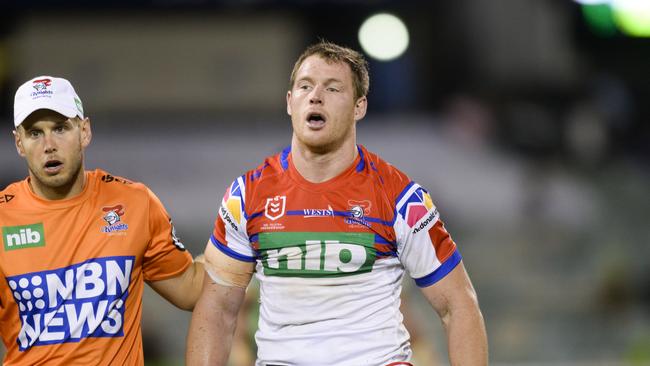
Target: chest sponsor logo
308,254
26,236
113,217
71,303
318,212
275,207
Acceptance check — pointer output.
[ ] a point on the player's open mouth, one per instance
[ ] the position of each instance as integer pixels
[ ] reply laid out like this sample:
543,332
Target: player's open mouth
315,120
53,166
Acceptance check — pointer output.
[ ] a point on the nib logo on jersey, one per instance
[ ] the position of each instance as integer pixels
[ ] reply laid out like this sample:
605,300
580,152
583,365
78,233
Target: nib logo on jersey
113,217
26,236
71,303
314,254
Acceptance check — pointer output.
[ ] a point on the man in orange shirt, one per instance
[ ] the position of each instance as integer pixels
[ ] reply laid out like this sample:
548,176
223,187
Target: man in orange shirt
77,246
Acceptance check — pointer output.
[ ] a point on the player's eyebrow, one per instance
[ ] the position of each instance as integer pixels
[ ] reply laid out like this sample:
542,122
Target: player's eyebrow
327,81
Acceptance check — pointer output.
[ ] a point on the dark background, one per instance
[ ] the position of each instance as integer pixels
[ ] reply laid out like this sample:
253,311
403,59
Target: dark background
529,126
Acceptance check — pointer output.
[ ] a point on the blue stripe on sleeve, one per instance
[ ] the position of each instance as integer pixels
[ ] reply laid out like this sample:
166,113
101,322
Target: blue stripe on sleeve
229,252
408,186
440,272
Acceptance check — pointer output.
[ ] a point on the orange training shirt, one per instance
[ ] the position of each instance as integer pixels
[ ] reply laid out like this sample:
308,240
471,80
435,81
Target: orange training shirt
73,271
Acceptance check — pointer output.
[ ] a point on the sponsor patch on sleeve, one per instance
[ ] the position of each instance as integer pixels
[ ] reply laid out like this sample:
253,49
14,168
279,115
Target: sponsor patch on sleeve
233,200
416,204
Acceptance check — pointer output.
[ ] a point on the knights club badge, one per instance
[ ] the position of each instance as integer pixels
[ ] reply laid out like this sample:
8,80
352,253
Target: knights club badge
275,207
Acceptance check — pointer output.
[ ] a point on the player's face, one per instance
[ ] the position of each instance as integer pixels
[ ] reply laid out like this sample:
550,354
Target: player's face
322,105
53,146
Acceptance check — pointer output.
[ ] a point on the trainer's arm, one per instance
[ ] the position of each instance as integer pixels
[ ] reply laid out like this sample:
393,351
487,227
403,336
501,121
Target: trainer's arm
215,315
454,299
184,289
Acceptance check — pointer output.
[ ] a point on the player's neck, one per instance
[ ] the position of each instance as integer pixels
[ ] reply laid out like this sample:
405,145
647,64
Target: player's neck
321,166
69,190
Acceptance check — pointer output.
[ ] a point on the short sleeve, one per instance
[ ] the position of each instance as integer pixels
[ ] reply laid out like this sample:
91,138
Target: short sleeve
165,257
229,234
424,246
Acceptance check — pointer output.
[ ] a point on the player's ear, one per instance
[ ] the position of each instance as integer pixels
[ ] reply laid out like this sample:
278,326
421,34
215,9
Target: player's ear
360,108
86,132
19,142
289,102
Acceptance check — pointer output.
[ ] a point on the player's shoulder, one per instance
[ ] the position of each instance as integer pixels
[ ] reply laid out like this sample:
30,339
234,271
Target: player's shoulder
270,168
11,194
390,177
404,193
114,184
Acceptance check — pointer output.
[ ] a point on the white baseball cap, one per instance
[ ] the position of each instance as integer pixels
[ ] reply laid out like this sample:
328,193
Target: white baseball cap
46,92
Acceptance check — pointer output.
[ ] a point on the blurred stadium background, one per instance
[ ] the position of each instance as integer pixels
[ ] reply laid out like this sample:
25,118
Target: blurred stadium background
527,120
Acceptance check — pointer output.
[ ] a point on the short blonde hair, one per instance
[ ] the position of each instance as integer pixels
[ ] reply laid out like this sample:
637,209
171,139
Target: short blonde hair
332,52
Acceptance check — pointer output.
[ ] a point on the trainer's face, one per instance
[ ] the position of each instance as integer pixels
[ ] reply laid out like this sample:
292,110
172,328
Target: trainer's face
322,105
53,146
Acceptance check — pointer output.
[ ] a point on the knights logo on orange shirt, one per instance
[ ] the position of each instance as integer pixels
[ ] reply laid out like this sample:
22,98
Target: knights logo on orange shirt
113,217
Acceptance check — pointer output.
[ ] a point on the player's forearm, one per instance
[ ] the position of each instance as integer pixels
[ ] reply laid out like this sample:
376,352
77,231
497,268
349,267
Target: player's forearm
466,336
209,341
213,325
183,290
194,282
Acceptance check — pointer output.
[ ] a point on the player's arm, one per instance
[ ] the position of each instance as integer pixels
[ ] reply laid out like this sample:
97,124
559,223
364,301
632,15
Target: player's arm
215,316
455,301
183,290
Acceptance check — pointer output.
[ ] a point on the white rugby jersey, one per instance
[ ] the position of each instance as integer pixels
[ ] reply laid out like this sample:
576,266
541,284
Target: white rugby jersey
330,258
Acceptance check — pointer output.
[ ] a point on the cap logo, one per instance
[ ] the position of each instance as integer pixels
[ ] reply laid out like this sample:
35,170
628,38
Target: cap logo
41,84
41,87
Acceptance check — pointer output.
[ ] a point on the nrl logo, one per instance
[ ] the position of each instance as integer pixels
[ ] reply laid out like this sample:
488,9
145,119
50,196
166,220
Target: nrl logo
275,207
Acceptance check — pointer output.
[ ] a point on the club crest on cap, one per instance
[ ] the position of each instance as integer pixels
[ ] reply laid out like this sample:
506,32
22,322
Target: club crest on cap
41,84
46,92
